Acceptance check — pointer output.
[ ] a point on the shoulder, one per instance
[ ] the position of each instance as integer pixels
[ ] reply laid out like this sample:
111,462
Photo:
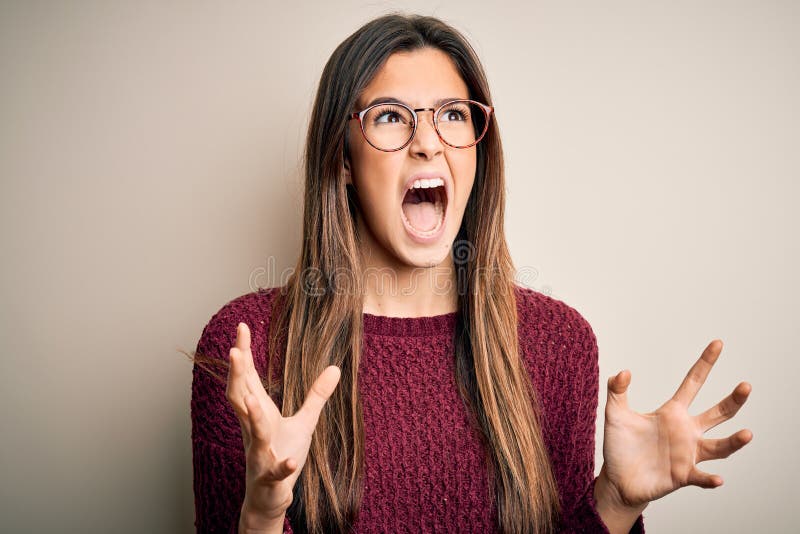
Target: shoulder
543,314
556,340
248,308
254,309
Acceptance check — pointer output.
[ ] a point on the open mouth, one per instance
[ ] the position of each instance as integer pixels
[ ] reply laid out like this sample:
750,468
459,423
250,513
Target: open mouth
424,206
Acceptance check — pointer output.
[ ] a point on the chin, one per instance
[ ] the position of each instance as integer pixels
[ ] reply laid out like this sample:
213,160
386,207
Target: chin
432,257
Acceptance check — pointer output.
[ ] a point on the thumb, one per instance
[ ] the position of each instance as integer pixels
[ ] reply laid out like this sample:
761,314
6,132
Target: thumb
284,469
618,389
320,392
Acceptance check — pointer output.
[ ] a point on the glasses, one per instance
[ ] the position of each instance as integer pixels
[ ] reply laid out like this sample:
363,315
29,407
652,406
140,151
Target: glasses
391,126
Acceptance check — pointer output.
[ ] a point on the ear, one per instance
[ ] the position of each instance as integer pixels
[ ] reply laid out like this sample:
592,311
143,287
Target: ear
348,179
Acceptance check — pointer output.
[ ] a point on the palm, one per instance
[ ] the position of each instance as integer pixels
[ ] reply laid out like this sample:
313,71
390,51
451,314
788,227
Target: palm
276,447
650,455
284,437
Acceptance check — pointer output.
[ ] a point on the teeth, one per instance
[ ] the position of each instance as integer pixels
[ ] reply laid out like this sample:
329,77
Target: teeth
425,184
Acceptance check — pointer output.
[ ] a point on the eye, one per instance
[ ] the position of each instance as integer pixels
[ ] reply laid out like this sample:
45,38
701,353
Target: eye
390,115
454,113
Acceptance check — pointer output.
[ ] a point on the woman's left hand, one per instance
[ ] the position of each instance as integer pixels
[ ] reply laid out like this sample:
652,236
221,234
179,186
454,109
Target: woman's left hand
647,456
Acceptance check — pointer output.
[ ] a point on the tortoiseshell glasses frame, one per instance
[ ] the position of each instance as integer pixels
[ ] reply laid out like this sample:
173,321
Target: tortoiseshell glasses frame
486,109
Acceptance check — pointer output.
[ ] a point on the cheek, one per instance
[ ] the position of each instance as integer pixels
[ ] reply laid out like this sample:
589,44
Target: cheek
366,162
376,174
376,179
463,167
375,203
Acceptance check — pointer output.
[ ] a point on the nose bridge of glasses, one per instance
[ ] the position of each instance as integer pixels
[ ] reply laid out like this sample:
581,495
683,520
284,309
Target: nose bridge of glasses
420,110
431,122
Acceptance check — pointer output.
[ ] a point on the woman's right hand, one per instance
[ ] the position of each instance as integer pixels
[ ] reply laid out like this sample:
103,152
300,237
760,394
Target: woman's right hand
276,447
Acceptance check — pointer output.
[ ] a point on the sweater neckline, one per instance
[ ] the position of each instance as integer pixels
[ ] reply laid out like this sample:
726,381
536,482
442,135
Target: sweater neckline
384,325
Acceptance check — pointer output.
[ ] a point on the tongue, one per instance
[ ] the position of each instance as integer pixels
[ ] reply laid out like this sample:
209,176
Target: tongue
422,216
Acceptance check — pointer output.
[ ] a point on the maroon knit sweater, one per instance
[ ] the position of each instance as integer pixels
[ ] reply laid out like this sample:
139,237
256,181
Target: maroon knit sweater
425,467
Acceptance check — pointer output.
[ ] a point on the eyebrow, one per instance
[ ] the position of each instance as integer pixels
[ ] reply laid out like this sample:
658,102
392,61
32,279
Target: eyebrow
385,99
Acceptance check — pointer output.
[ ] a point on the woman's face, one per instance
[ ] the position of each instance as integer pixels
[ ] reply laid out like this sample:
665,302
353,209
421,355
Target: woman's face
411,228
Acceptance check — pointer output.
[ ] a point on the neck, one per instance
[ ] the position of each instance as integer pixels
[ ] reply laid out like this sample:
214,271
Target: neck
399,290
421,293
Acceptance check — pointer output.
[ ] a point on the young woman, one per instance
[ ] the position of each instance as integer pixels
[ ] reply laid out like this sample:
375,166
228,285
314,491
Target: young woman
452,400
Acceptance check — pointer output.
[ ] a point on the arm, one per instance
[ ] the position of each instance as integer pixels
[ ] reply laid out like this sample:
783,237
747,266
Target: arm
276,526
573,453
647,456
218,453
617,516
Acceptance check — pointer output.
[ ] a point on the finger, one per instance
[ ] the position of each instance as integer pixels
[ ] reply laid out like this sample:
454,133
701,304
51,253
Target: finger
277,471
703,479
245,379
251,376
240,356
261,437
236,393
320,392
284,469
256,387
237,386
255,416
242,337
698,373
714,449
248,373
726,408
243,343
618,389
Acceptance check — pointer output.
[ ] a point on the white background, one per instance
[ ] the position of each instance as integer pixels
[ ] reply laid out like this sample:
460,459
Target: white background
149,158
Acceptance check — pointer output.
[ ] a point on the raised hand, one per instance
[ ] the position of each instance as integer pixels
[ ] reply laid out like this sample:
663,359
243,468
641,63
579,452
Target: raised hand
276,447
647,456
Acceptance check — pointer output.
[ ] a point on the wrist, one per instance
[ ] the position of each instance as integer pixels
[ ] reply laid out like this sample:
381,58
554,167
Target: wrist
618,515
253,522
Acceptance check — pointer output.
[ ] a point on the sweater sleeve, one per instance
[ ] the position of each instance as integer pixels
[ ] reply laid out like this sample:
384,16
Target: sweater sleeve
580,510
218,457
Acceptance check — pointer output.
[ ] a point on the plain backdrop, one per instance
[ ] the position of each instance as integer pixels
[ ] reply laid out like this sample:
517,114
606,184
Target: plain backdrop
150,164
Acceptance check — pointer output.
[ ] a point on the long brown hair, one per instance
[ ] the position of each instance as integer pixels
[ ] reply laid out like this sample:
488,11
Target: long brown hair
317,319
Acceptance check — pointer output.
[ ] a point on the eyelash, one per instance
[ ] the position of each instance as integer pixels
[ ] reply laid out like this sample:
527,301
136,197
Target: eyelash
389,110
458,109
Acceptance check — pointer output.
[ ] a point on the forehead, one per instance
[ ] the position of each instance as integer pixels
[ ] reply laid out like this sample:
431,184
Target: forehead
418,78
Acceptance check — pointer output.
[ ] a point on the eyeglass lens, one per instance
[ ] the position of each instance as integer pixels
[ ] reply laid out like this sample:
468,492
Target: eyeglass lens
390,126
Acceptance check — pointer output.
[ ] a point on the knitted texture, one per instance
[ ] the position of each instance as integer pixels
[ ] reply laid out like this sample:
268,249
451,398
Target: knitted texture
425,464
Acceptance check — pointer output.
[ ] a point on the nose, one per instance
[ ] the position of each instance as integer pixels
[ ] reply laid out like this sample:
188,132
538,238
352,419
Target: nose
426,143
